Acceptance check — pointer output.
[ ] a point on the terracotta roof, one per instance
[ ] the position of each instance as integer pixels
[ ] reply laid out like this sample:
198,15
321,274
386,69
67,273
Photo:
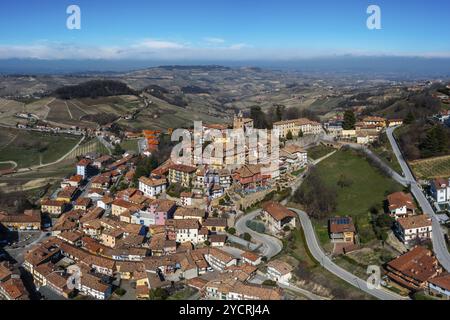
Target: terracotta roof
84,163
400,199
441,282
281,266
152,182
189,212
215,222
341,224
419,263
414,222
52,203
277,210
183,168
250,256
180,224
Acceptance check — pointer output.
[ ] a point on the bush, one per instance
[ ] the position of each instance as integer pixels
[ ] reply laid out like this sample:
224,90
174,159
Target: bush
247,236
231,231
256,226
269,283
120,292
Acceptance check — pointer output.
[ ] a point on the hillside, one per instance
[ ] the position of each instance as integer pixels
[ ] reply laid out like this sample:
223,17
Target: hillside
94,89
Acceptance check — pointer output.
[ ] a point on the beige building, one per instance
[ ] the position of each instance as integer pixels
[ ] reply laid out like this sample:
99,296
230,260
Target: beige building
182,174
296,126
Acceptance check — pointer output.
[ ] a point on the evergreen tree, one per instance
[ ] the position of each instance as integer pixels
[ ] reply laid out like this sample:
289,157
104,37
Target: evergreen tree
409,118
349,120
289,135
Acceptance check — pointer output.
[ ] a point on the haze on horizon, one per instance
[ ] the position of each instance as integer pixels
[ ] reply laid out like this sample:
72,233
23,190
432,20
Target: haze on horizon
287,33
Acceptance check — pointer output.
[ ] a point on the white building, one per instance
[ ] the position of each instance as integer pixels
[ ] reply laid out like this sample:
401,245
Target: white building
411,229
279,271
152,187
440,190
220,260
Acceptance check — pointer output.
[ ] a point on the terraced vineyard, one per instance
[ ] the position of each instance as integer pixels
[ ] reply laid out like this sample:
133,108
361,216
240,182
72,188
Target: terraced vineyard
432,168
92,145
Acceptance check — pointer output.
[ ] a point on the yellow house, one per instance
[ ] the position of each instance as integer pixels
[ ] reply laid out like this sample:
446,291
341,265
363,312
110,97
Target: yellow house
181,174
53,207
215,224
67,194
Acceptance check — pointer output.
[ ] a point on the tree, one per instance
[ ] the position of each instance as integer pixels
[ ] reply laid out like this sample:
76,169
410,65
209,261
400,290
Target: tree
300,134
118,150
318,198
409,118
289,135
247,236
349,120
158,294
231,231
435,142
259,118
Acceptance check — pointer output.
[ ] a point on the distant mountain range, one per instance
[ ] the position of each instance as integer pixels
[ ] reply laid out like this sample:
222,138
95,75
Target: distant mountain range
414,67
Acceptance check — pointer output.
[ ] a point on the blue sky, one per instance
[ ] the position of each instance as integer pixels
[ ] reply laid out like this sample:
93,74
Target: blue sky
222,29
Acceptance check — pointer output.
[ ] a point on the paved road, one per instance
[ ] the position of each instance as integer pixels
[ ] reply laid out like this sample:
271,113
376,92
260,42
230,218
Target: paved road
12,163
439,245
328,264
271,246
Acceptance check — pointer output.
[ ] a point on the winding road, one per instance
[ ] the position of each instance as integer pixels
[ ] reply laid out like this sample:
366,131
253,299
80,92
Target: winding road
439,245
328,264
271,246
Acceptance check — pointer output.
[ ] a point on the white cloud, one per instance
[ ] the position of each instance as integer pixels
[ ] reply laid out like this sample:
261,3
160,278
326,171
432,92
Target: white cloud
159,44
156,49
213,40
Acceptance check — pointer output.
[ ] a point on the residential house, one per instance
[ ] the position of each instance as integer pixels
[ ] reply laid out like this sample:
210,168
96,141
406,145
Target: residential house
28,221
440,286
82,204
84,168
401,205
53,207
277,217
186,230
182,174
414,269
219,259
151,187
251,258
189,213
217,240
342,230
93,286
250,176
279,271
411,230
215,224
101,182
67,194
440,190
232,289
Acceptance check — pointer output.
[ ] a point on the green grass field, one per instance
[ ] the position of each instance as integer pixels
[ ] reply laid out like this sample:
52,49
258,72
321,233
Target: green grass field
130,145
369,187
319,151
385,152
33,148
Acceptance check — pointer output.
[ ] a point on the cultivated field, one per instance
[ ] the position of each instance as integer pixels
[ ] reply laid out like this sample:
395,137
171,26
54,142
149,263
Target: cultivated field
432,168
28,148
